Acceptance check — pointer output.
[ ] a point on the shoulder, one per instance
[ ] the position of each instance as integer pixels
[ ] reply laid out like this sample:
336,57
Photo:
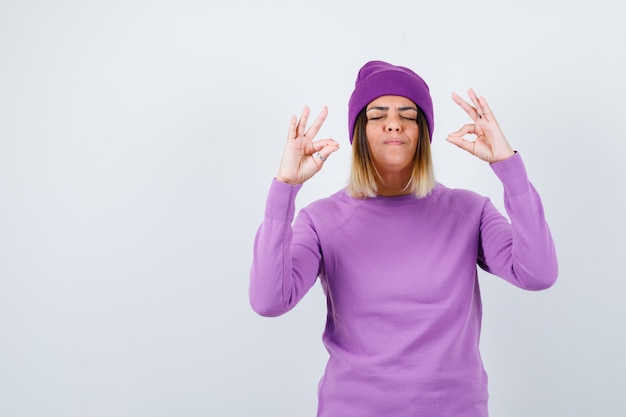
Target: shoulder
337,202
460,201
326,213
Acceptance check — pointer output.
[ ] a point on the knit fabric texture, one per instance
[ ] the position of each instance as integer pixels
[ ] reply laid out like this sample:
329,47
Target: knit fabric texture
401,280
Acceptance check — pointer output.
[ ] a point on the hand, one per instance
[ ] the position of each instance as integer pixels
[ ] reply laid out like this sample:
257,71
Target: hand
490,144
303,158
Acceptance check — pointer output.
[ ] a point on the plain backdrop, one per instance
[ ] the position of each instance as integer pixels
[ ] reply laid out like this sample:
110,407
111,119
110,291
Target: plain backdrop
138,140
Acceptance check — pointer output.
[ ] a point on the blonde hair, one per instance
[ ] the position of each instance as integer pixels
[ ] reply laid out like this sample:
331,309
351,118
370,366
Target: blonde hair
363,174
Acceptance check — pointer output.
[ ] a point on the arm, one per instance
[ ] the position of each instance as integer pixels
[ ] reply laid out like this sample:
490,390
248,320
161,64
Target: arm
286,259
523,251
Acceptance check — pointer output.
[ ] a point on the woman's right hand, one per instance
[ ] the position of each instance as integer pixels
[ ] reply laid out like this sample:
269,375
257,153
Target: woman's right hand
303,158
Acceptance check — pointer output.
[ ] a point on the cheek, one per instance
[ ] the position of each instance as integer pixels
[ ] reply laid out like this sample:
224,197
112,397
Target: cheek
370,136
370,130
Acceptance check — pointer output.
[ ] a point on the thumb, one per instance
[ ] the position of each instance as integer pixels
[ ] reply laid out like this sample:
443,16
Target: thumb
462,143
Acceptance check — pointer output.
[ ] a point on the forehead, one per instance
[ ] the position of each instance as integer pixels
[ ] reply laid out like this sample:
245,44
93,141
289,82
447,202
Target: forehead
391,102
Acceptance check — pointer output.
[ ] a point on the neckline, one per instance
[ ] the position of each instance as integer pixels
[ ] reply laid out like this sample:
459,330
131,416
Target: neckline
390,201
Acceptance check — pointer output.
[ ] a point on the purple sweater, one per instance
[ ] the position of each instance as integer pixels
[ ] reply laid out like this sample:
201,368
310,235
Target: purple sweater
400,276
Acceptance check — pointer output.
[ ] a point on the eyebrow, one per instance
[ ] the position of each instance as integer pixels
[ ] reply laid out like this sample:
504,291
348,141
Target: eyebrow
387,108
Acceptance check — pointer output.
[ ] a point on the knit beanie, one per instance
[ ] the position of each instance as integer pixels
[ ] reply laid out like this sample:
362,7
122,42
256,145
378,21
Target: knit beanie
379,78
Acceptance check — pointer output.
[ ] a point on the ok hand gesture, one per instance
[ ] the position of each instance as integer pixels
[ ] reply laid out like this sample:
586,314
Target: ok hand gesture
303,158
490,144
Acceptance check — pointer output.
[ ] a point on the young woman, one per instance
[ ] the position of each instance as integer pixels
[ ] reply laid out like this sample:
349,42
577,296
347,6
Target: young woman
397,253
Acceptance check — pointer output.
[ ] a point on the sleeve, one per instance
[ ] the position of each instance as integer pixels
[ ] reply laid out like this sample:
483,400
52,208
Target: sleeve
522,252
286,259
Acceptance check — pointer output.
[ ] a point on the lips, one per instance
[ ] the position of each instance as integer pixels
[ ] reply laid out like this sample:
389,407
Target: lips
393,141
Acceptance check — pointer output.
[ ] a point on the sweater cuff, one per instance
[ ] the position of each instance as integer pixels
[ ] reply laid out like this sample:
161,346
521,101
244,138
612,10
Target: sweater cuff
512,173
280,203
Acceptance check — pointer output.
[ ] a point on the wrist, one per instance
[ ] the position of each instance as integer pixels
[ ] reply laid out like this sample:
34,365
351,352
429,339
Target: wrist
285,180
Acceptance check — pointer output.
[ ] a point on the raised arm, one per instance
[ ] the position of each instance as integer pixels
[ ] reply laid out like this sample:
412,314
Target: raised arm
286,258
520,251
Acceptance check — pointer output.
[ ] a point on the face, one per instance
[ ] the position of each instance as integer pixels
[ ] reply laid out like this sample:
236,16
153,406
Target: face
392,133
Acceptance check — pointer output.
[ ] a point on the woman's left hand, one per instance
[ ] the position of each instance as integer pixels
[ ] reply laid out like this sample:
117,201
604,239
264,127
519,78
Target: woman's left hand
490,144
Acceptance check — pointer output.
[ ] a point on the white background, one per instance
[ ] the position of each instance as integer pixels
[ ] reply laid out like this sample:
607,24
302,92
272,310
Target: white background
137,142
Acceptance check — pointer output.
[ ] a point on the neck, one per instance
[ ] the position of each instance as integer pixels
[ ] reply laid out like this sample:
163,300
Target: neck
394,184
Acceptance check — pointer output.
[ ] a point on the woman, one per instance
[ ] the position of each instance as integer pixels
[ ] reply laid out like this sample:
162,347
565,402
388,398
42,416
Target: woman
397,253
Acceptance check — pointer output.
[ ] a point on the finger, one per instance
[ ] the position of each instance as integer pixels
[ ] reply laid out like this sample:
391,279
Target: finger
462,143
468,108
486,109
291,134
324,143
323,153
468,129
479,109
302,122
318,158
317,124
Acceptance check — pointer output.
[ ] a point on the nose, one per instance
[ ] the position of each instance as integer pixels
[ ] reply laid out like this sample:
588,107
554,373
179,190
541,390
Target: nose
393,124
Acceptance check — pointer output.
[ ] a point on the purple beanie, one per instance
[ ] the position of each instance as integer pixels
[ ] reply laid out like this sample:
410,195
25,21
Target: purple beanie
379,78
